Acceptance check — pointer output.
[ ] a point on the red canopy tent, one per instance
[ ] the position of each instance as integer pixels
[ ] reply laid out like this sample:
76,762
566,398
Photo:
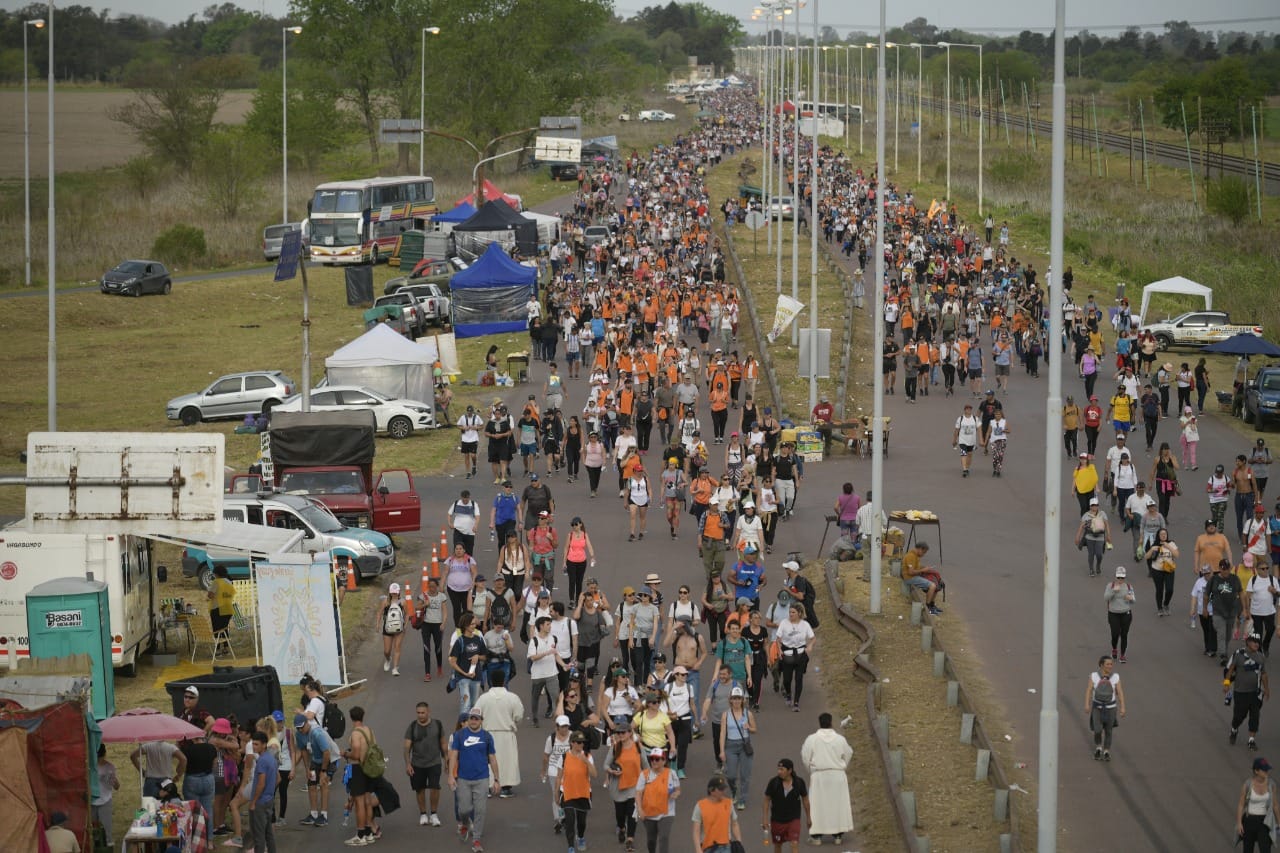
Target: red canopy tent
491,193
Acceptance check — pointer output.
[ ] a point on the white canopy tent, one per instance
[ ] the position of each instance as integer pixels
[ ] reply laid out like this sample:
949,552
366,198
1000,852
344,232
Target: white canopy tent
385,361
1179,285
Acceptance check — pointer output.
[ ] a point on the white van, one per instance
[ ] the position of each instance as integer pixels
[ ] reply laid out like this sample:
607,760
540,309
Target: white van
123,563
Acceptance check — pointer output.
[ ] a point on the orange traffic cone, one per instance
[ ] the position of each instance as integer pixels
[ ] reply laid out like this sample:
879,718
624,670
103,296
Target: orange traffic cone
444,545
435,567
351,578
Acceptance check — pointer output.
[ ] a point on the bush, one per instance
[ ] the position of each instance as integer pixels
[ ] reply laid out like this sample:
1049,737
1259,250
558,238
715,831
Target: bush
1013,167
181,245
1229,197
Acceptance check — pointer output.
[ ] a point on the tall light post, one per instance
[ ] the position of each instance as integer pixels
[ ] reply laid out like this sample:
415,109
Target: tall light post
422,101
877,324
919,117
284,107
38,23
52,254
981,117
862,92
813,225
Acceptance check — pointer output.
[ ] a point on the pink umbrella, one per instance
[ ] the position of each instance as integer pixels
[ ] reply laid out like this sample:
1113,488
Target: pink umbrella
145,724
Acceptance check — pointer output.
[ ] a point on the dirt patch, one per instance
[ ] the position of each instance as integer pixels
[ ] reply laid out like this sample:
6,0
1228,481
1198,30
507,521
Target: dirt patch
954,809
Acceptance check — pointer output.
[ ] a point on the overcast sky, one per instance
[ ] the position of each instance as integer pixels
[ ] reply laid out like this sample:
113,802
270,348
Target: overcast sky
994,16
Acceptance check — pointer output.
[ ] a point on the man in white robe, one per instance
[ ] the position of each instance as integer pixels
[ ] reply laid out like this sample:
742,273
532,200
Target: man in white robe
503,711
826,755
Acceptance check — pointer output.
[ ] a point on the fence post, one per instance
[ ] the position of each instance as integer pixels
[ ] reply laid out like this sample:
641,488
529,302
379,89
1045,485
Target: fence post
984,765
909,808
939,664
896,765
1001,811
953,693
966,728
926,638
917,611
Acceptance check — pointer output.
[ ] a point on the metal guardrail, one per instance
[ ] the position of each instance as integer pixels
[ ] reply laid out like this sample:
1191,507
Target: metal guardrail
766,356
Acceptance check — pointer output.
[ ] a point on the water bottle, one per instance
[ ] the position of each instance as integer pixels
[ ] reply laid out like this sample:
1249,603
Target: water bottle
346,816
493,535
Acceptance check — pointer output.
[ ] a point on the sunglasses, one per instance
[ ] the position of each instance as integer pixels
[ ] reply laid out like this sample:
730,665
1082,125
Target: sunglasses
656,758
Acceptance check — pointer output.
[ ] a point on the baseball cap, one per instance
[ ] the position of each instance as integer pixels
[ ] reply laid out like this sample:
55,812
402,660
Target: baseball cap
743,601
299,720
61,817
628,590
278,716
750,549
578,737
1120,571
1254,638
562,720
533,476
192,690
737,693
394,589
479,579
659,752
1262,764
506,484
1093,501
680,670
791,566
477,713
543,513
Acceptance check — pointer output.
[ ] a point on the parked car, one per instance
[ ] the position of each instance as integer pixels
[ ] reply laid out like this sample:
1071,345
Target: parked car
415,318
782,207
232,396
427,271
397,418
656,115
435,306
1199,329
273,236
624,116
1262,397
564,171
134,278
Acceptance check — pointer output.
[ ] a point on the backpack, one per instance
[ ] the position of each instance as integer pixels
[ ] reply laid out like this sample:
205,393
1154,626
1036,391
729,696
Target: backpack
334,721
500,611
393,620
374,763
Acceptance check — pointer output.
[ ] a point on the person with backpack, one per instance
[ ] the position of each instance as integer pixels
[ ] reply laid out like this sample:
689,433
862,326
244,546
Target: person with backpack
360,746
1094,535
1224,597
1246,686
425,747
1260,596
394,614
1119,598
1103,701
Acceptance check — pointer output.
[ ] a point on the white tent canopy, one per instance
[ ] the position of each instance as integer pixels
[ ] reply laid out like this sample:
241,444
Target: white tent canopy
385,361
1179,285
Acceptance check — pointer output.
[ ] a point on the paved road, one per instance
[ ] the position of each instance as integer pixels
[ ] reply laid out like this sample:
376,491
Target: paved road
526,818
1174,780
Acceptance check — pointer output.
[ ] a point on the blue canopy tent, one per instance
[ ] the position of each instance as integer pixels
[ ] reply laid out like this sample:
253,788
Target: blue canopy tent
489,296
458,215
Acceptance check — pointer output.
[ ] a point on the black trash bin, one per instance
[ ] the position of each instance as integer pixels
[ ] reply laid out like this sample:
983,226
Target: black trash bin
249,692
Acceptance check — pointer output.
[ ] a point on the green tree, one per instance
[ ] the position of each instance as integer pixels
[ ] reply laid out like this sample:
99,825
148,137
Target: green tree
227,171
1229,197
317,124
173,106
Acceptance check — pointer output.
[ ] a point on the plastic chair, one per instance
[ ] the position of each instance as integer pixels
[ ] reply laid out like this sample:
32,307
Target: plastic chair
202,632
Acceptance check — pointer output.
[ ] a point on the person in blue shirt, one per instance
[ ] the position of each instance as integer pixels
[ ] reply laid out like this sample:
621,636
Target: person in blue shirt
262,795
473,776
316,751
502,517
747,576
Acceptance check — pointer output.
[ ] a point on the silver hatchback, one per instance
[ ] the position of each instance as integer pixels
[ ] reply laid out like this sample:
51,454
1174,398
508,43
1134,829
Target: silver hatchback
232,396
273,236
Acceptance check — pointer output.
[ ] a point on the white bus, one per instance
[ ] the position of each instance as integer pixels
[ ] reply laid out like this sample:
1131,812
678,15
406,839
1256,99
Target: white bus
357,222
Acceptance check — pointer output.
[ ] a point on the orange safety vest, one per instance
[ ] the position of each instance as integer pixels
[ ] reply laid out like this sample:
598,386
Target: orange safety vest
712,528
656,798
716,820
629,761
575,778
626,401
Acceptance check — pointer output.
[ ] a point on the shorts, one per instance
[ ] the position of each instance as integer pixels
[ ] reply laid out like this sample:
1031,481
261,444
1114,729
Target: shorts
918,582
782,832
975,373
1122,426
499,451
313,778
528,450
470,447
570,357
1002,370
965,449
359,784
426,777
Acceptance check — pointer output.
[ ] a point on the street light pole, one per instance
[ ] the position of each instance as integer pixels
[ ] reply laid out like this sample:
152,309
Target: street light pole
981,118
877,324
948,47
38,23
52,255
422,101
284,108
919,113
813,226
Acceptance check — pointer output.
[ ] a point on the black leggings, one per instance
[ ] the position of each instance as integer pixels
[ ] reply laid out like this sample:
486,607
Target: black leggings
282,793
759,669
1255,832
575,819
593,475
625,815
576,572
719,420
1070,441
1266,626
682,728
1120,623
432,634
789,671
573,461
1247,705
1164,588
459,602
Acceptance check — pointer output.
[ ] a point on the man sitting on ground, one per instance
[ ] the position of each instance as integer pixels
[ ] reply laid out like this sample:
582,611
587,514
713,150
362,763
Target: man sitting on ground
922,577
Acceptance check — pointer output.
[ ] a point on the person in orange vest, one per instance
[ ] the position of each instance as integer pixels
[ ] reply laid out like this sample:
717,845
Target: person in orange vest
735,377
718,397
715,823
656,792
575,788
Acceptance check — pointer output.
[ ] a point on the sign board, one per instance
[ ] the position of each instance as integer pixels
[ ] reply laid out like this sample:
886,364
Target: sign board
290,251
565,127
756,220
122,482
400,131
64,619
297,611
809,445
824,353
557,149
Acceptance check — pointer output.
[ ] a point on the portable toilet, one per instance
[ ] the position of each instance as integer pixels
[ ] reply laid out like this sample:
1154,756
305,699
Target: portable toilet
72,616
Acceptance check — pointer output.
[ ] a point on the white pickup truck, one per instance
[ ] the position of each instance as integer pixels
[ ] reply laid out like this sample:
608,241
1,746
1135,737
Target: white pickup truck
1198,329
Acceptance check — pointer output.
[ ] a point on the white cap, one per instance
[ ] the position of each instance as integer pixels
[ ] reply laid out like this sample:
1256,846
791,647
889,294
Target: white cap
1093,501
394,589
791,566
736,693
562,720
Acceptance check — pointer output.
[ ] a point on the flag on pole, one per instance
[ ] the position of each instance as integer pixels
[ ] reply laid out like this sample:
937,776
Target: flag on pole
786,311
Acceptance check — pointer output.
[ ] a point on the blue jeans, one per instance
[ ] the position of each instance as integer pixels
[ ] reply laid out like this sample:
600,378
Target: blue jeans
200,788
468,693
737,767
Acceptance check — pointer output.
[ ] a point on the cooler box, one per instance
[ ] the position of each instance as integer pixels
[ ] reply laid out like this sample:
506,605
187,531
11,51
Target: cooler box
248,692
788,435
72,616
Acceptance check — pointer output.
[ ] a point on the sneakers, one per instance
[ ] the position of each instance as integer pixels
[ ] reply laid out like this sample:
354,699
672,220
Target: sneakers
309,820
936,611
1097,753
1253,745
386,664
395,670
222,830
237,841
477,847
435,819
1106,755
464,832
359,841
1231,738
423,820
506,793
322,820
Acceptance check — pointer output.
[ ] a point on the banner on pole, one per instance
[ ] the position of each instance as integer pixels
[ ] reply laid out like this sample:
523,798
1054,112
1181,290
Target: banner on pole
786,311
297,615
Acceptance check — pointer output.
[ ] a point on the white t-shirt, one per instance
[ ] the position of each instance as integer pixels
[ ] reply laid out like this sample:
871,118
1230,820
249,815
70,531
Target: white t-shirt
968,427
555,749
999,429
749,529
1261,546
543,667
465,517
563,631
470,425
1261,600
793,635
